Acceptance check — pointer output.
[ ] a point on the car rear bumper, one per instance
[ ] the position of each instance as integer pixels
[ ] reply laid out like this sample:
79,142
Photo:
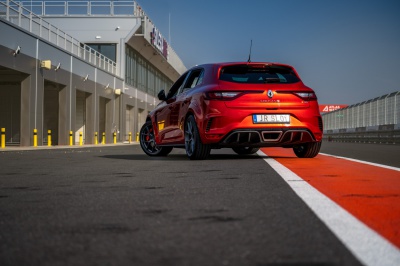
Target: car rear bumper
267,137
234,127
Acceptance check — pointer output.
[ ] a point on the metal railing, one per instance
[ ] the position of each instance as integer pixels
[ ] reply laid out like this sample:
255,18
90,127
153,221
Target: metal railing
83,8
17,14
97,8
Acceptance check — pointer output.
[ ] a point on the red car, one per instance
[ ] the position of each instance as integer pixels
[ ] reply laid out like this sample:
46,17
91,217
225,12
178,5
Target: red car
243,106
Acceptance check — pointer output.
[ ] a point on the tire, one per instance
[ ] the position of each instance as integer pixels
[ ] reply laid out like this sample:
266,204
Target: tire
307,150
245,150
195,149
148,142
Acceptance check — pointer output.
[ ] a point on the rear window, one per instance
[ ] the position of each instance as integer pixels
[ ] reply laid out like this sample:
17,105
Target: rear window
258,74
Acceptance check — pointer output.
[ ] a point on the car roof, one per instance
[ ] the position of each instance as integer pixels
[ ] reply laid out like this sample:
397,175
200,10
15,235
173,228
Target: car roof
222,64
215,67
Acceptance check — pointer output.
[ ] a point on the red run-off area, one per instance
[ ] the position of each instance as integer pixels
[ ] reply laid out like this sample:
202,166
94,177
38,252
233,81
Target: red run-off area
370,193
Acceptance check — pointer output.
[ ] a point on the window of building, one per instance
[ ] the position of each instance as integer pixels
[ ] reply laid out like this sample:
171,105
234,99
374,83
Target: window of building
141,74
107,49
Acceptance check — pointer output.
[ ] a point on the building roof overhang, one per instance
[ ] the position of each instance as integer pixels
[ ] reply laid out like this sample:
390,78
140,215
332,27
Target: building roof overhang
149,43
151,54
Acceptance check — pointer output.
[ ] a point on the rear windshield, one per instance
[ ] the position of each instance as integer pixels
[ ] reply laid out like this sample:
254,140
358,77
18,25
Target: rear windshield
258,74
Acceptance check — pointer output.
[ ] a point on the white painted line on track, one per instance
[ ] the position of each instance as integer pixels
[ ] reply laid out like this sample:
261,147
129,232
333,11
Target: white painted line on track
364,162
366,245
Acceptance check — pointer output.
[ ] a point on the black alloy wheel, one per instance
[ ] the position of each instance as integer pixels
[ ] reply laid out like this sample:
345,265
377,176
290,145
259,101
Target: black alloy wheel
307,150
148,142
195,149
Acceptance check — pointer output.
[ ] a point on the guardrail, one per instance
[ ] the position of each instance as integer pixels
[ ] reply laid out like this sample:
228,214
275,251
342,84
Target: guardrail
381,136
19,15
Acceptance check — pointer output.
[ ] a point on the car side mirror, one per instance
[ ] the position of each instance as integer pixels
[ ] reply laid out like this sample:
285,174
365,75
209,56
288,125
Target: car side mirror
161,95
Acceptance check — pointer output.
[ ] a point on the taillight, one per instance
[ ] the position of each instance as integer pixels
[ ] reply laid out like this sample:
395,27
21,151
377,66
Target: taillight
223,95
307,96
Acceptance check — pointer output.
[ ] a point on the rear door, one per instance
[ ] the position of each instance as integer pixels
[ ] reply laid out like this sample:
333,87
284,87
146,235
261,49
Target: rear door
166,117
170,119
183,101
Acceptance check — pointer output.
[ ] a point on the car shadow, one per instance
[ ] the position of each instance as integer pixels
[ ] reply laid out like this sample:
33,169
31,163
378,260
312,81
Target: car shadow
181,157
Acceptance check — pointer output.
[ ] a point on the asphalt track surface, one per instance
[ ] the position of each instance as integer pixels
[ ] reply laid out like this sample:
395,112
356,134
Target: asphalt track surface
113,205
358,200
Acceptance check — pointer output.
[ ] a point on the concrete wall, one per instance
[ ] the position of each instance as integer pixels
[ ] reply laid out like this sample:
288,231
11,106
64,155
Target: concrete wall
38,87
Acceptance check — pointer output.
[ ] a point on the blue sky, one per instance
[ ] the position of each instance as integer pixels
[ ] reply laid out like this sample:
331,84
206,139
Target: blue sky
348,51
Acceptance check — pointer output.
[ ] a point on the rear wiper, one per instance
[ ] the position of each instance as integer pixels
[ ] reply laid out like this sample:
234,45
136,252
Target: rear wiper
272,80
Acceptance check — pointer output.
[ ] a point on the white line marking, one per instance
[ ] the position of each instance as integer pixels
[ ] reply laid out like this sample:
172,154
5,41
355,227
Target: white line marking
364,162
366,245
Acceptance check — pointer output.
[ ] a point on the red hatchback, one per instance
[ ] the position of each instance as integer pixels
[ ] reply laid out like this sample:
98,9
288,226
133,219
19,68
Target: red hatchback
243,106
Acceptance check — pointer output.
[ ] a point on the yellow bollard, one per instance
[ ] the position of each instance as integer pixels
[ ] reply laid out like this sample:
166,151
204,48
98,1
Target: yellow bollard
96,141
3,137
35,137
80,139
70,138
137,136
130,137
115,138
103,140
49,137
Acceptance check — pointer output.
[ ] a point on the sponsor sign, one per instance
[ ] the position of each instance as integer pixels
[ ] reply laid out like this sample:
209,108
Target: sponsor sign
159,42
324,108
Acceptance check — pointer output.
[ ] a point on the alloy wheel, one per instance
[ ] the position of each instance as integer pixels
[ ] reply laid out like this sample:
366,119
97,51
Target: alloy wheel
147,139
190,141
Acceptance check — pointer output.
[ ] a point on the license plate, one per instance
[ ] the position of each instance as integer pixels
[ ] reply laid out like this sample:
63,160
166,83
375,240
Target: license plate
271,119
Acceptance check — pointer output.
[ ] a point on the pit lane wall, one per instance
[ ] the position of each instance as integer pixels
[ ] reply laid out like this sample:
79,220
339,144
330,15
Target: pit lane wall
373,121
